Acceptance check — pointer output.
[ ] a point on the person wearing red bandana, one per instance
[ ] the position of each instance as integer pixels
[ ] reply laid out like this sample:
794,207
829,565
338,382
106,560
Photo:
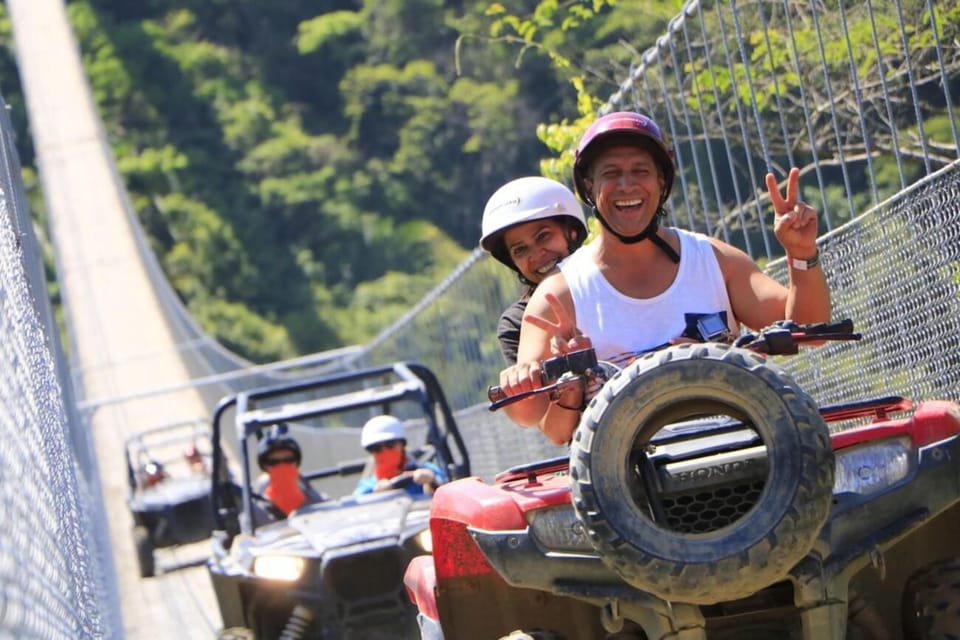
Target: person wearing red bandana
279,456
384,438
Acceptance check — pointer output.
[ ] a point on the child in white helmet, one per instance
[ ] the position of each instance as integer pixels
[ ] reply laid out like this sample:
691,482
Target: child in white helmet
384,437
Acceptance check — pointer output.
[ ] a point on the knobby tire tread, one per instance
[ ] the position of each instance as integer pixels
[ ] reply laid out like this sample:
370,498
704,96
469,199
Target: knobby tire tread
735,571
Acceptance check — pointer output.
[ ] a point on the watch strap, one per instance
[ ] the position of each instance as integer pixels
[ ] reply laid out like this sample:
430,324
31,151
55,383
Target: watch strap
804,265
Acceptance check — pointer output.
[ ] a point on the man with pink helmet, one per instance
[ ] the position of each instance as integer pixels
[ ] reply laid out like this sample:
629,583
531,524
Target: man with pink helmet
636,287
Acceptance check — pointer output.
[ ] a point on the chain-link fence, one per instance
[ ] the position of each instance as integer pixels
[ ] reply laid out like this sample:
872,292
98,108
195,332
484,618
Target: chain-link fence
862,97
55,567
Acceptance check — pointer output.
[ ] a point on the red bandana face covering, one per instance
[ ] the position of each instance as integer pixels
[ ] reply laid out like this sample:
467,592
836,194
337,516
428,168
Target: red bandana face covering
389,463
284,488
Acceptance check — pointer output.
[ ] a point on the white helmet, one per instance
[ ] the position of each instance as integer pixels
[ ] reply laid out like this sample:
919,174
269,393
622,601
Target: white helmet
524,200
382,429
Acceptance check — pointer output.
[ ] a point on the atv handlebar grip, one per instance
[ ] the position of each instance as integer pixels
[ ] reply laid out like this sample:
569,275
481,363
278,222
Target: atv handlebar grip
840,326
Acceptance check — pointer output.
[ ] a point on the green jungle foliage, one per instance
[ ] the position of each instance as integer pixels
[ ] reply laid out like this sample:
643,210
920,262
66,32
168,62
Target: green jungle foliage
307,171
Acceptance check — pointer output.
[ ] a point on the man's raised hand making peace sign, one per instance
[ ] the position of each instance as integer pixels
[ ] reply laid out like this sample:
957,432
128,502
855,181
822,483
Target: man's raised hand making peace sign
634,287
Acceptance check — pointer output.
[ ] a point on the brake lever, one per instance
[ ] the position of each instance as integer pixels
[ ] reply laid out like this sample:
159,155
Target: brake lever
782,342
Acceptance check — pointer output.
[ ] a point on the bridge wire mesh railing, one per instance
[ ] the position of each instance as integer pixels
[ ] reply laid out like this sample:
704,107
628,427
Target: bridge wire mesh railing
862,97
55,564
895,271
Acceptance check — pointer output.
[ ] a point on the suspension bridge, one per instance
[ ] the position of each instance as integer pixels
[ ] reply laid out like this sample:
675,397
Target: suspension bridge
862,97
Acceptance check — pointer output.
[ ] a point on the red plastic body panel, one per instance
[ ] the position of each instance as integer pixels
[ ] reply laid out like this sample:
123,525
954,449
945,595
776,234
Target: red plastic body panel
420,580
932,421
499,506
471,502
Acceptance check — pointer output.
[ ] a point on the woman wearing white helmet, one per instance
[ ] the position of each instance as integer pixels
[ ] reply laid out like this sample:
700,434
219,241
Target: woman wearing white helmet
530,224
385,439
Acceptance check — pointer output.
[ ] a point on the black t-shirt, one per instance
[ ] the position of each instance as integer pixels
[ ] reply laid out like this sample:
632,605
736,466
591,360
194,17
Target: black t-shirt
508,329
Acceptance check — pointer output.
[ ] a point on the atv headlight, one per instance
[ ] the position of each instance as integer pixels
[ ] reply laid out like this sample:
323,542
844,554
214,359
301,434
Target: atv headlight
872,467
424,540
558,529
288,568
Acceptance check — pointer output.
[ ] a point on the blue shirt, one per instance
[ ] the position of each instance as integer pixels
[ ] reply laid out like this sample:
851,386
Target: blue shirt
368,484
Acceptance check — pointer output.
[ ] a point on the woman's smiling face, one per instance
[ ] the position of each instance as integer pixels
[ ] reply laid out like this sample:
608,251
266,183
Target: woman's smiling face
536,247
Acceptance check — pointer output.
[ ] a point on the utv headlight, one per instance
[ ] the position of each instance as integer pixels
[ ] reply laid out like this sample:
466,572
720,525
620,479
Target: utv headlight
558,529
424,540
871,467
287,568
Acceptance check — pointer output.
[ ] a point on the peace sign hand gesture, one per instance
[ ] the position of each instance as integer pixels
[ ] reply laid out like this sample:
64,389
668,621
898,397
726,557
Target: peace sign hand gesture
564,337
795,222
564,334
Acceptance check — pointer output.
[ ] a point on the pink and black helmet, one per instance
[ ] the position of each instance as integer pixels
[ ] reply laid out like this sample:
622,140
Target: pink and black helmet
622,127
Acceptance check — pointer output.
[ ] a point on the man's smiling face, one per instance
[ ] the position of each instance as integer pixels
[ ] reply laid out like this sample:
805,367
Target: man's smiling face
626,185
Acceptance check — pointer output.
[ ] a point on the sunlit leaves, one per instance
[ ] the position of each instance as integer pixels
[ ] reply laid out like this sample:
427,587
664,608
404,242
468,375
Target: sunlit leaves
247,121
326,29
282,195
157,167
110,82
485,104
238,328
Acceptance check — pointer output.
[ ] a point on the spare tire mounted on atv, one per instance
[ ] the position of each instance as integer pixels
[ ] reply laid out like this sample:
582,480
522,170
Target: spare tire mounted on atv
731,551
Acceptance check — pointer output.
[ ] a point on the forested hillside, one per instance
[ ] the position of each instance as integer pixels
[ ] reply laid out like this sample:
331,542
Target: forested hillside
307,170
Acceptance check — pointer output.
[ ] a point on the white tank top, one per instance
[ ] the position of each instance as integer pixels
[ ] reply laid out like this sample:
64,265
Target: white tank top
621,327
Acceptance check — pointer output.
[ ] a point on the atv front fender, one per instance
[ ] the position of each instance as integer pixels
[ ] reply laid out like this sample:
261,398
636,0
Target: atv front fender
226,588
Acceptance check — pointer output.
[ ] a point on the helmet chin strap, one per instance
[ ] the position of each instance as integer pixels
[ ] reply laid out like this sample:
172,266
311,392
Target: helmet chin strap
650,232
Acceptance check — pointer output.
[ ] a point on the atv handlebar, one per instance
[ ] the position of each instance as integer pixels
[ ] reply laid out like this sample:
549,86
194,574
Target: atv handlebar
784,337
555,372
577,367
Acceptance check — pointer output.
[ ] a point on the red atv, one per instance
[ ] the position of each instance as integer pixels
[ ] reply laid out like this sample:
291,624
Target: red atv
705,496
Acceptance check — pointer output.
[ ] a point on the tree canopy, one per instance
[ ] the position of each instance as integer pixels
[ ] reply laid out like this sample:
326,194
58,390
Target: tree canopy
307,171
